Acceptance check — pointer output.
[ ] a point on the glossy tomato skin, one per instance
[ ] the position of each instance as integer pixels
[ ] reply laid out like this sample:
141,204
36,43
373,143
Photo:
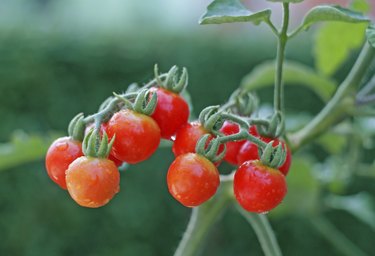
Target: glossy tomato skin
259,188
137,136
250,151
92,182
60,155
171,112
187,137
192,179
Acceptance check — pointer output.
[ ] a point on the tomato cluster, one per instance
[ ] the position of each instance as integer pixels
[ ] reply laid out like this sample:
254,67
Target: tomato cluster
93,181
89,170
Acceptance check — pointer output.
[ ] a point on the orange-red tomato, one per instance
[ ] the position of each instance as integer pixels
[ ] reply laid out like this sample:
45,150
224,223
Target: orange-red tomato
171,112
259,188
192,179
137,136
60,155
92,182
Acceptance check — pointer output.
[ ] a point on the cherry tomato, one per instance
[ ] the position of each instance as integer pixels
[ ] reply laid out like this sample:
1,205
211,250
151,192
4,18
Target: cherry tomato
233,147
192,179
250,151
171,112
258,188
187,137
137,136
92,182
60,155
103,128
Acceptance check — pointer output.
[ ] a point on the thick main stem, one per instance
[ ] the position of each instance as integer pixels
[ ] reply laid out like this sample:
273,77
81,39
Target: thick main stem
281,45
263,231
336,108
203,218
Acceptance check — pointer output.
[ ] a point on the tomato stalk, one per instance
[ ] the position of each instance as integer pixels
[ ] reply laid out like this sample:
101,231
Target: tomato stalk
264,232
340,104
281,44
203,218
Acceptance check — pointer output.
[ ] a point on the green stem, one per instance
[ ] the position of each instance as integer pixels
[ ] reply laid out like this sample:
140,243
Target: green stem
264,232
281,44
336,108
203,218
335,237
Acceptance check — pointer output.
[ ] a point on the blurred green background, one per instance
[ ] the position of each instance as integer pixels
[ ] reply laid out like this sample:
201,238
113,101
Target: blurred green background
58,58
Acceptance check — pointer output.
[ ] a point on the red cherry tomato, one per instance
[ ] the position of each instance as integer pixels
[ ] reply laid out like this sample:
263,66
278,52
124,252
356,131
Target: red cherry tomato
171,112
250,151
103,128
92,182
137,136
60,155
192,179
258,188
187,137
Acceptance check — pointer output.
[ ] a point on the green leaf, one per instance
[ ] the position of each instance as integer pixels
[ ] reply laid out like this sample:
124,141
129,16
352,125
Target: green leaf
229,11
333,44
332,13
22,149
360,206
303,191
370,33
294,73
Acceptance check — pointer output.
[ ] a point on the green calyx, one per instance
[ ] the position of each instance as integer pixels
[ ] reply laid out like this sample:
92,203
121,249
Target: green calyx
76,128
211,119
210,149
273,127
273,157
172,81
143,103
95,146
244,102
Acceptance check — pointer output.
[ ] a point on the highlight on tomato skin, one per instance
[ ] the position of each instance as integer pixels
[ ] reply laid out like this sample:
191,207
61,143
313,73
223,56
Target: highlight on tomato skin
92,182
137,136
60,155
192,179
171,112
259,188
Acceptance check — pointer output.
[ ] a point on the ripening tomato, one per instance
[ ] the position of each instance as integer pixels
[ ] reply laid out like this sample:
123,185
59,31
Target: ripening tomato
233,147
250,151
92,182
60,155
192,179
259,188
137,136
171,112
